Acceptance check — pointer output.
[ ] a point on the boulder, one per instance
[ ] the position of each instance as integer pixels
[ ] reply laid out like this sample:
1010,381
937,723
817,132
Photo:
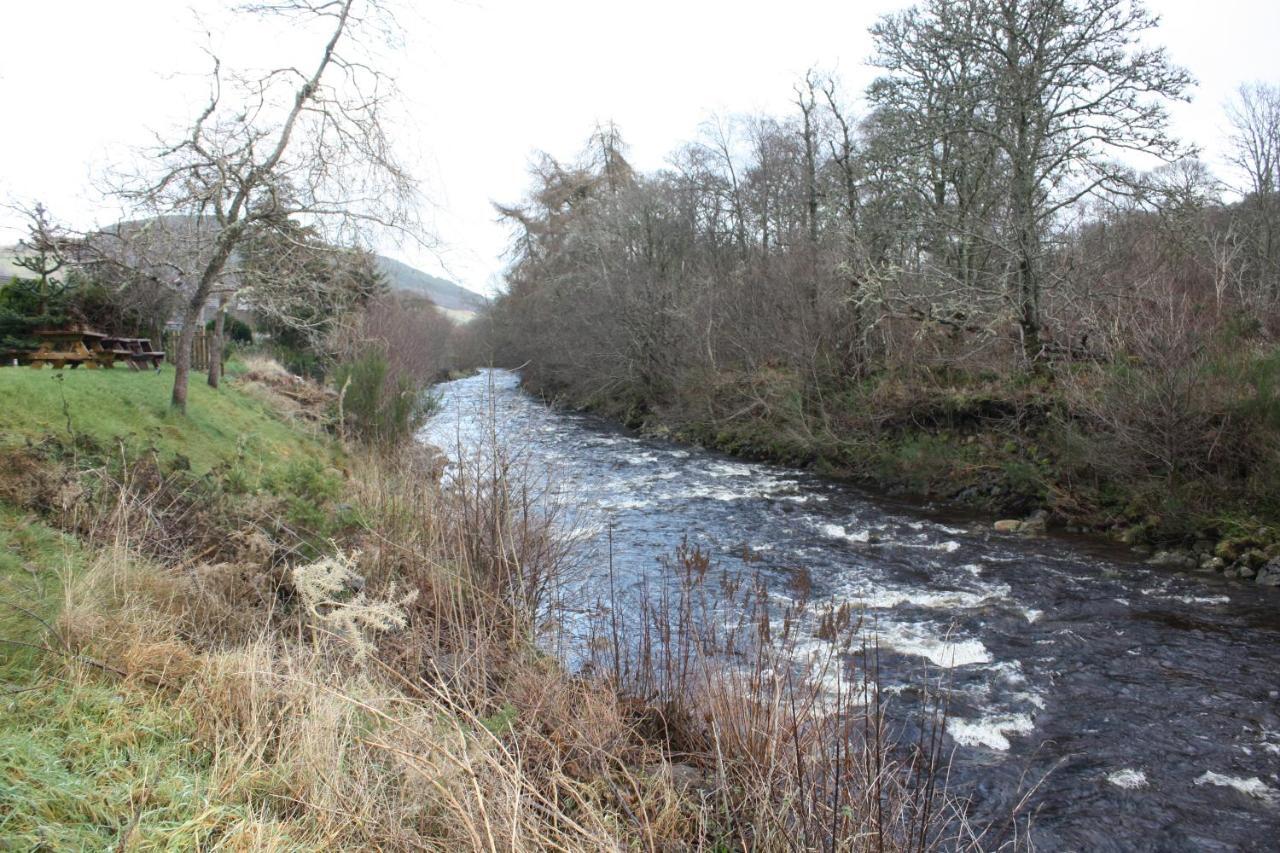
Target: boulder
1172,559
1212,564
1269,574
1033,524
1253,558
1036,523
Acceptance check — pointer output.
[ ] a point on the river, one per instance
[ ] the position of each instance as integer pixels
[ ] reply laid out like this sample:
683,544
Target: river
1146,702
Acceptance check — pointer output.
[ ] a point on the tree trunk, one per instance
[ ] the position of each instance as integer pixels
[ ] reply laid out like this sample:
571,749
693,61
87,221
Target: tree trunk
1029,313
182,357
191,315
215,346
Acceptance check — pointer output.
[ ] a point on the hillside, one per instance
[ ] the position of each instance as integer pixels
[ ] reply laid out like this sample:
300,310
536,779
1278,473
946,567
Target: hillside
456,300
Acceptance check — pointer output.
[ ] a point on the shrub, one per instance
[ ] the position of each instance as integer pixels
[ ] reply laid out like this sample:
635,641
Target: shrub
234,330
394,354
378,406
21,312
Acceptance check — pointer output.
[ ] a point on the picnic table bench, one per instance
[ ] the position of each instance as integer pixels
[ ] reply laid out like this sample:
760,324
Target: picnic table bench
67,348
135,352
77,345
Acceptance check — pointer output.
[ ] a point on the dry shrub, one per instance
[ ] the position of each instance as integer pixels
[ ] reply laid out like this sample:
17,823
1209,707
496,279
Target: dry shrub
761,706
295,397
28,481
459,731
334,754
1164,407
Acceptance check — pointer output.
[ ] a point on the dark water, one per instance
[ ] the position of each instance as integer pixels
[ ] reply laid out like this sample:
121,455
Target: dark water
1149,698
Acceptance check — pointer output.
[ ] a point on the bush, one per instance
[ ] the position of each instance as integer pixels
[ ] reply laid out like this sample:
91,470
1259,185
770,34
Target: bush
234,330
21,314
378,405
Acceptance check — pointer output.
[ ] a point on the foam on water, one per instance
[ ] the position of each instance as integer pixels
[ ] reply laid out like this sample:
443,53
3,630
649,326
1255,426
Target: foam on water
1031,699
950,599
1128,779
838,531
730,469
1253,786
1010,671
913,640
949,546
991,732
1202,599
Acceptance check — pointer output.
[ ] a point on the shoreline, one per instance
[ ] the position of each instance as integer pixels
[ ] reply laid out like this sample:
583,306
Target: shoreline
993,501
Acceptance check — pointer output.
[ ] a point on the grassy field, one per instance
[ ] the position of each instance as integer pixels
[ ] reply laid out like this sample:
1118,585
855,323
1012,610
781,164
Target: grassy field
110,406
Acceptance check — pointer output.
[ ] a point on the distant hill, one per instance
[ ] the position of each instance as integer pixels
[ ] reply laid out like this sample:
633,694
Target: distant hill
455,299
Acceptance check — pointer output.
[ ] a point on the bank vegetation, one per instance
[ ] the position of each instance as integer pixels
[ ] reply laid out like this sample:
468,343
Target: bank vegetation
994,275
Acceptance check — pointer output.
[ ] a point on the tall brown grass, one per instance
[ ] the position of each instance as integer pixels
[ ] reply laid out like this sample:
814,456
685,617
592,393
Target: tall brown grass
705,715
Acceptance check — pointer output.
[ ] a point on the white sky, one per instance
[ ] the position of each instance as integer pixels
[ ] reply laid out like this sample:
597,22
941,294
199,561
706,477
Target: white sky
487,82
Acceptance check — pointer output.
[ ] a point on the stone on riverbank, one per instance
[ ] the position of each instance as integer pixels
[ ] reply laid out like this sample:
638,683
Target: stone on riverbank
1172,559
1035,524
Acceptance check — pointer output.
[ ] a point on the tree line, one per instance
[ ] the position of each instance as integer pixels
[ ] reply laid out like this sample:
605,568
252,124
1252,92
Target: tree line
1008,205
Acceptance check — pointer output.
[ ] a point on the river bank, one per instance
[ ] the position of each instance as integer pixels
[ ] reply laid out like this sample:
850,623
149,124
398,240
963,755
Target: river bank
1090,688
234,630
1014,454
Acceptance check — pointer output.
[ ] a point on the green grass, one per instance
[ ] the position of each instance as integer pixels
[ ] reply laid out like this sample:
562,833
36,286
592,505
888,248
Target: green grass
86,760
82,763
83,758
34,560
110,406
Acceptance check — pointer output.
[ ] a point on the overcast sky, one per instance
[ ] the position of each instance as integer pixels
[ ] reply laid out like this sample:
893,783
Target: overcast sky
488,82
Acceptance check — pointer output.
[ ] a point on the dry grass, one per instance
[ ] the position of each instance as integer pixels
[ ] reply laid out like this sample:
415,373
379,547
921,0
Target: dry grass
458,730
291,396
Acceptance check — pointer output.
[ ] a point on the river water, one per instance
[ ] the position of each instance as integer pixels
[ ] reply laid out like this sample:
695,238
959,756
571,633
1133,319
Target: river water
1145,702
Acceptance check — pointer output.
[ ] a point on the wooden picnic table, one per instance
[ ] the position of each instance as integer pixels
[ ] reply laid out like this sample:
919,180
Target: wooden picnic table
69,347
77,345
135,352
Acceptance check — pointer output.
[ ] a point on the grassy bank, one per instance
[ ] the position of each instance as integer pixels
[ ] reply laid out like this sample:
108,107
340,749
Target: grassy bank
92,757
230,632
110,407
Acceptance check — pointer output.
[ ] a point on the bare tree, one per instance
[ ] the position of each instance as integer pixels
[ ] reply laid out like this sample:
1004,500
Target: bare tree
292,142
1255,152
1057,87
